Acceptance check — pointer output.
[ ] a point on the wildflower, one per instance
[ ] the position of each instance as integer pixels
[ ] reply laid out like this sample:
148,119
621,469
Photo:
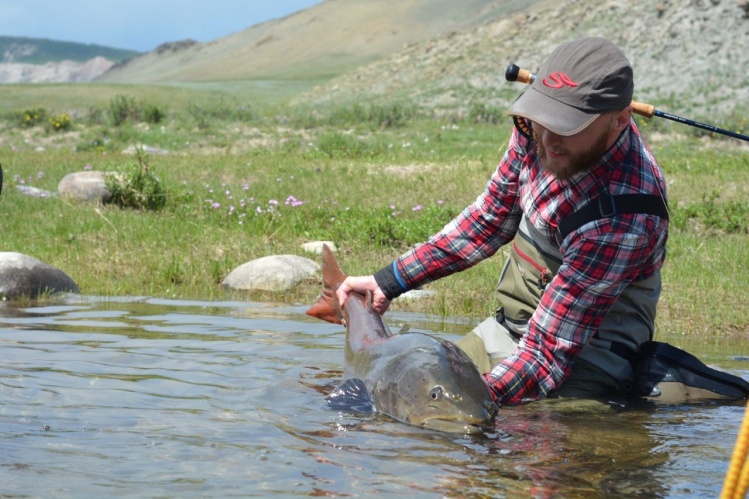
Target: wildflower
216,206
258,210
231,209
40,175
87,167
416,208
292,201
440,202
273,202
246,187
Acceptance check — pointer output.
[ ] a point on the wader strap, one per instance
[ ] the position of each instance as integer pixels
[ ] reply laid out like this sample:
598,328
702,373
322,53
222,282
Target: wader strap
608,206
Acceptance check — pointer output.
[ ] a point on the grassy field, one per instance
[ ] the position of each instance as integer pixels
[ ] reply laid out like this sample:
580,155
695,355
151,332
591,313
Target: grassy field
245,180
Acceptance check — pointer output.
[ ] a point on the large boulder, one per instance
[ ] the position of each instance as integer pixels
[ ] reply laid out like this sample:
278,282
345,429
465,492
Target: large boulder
271,273
85,186
22,276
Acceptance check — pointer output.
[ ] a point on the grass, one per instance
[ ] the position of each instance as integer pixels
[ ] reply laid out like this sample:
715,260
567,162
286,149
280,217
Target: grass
242,181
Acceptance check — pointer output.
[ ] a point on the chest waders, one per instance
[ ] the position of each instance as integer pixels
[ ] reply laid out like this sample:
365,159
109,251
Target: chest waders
621,356
532,264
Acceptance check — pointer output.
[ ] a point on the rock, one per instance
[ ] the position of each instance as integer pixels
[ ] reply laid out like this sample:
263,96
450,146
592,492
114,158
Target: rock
22,276
35,192
271,273
316,247
85,186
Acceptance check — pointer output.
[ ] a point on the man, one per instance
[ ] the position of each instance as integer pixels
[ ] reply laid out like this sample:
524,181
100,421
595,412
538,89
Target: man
581,202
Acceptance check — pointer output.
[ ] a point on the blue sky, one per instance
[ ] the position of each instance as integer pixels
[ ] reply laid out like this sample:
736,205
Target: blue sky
138,24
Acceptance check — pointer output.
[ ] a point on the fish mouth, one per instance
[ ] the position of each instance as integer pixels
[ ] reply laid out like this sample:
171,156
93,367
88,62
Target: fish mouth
454,426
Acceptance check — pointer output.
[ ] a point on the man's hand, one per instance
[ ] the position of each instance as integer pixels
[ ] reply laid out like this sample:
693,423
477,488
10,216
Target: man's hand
362,284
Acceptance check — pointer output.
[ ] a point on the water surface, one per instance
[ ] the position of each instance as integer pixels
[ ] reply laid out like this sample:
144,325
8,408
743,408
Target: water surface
151,398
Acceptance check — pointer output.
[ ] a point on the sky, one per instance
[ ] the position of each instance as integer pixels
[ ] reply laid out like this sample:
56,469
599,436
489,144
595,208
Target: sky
140,25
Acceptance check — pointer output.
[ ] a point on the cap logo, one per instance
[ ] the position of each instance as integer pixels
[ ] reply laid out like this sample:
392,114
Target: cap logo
558,79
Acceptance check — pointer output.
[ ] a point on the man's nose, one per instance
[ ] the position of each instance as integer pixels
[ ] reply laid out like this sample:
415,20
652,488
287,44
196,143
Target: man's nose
548,138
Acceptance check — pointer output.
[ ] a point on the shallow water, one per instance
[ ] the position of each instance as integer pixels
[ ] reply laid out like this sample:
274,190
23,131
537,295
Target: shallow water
151,398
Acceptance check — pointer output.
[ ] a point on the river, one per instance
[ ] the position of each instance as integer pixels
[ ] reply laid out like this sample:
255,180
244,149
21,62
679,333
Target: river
143,397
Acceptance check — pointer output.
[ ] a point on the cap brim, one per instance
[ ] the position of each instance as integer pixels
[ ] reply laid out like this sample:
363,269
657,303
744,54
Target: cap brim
551,114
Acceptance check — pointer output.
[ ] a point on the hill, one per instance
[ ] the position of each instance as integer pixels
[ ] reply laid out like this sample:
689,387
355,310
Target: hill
689,56
319,42
37,60
42,51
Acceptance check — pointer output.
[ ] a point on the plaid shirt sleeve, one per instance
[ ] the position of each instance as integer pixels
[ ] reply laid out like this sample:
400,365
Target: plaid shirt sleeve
599,263
477,233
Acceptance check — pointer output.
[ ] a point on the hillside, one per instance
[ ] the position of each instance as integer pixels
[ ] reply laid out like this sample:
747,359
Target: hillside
689,56
319,42
37,60
16,49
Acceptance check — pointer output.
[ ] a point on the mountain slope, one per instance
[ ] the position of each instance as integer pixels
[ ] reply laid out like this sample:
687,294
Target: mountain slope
321,41
689,55
18,49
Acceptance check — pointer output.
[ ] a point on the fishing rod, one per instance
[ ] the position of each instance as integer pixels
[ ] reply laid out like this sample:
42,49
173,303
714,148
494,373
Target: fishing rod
516,73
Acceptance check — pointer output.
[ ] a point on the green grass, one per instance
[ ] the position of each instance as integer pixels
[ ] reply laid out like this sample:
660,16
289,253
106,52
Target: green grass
246,182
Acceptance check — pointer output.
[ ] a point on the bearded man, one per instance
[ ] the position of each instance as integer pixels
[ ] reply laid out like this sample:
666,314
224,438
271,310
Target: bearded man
581,202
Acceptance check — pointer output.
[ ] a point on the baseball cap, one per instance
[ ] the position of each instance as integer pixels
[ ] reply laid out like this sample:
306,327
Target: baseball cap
579,81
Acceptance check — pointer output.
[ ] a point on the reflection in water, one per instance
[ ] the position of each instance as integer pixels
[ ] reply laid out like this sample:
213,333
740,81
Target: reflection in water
162,398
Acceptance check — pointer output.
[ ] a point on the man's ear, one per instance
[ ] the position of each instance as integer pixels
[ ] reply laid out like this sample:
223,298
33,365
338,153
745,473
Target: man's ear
621,121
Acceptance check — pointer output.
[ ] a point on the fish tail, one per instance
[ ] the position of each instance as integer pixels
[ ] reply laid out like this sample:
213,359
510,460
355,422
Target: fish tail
327,307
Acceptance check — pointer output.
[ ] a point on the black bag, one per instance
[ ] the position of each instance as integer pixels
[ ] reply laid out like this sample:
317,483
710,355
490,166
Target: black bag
668,374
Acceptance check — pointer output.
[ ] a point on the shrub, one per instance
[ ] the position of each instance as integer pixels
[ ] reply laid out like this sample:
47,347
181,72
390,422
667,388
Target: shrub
137,188
152,114
29,118
60,123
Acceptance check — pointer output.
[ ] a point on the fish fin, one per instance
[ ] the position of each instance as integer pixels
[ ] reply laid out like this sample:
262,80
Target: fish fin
327,307
351,395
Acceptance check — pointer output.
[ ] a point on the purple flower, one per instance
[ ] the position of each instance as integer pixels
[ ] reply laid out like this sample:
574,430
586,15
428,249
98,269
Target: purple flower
291,200
273,202
216,206
416,208
440,202
87,167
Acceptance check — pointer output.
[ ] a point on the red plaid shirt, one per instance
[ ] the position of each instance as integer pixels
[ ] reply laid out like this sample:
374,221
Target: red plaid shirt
599,259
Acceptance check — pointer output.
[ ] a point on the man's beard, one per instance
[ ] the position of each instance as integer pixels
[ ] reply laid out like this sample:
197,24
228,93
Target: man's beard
572,164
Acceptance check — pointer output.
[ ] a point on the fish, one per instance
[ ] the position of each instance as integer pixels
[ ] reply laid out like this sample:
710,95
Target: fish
412,377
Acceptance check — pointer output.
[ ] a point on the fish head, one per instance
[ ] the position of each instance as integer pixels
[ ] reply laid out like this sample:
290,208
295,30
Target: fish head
440,389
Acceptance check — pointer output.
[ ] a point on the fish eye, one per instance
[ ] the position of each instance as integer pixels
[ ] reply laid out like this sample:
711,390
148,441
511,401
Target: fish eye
437,392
